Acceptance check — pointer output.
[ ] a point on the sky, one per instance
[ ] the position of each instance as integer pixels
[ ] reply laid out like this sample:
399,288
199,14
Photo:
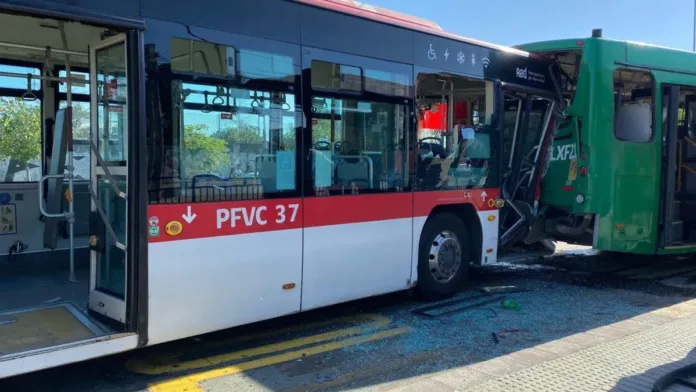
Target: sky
508,22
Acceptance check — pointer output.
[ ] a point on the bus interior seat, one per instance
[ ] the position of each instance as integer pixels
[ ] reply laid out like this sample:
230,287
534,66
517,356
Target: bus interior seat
354,170
430,163
476,156
378,166
323,168
266,166
209,187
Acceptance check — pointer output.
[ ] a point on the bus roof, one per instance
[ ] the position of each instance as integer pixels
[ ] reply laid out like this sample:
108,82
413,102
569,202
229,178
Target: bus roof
558,44
577,43
383,15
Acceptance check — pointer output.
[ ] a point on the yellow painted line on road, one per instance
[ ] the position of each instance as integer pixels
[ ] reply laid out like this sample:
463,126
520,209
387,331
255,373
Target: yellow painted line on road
190,382
161,364
294,328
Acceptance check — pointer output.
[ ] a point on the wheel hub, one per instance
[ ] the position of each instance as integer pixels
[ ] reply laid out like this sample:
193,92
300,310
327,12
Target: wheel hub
445,256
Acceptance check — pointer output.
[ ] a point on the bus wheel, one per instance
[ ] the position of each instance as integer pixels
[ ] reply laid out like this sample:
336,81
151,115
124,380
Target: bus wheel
443,256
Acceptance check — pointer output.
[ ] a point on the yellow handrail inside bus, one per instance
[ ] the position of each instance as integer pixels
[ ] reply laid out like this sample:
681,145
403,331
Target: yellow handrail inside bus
690,140
690,170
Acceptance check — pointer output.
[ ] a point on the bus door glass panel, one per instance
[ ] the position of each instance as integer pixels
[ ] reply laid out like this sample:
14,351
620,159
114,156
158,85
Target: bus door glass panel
109,108
358,213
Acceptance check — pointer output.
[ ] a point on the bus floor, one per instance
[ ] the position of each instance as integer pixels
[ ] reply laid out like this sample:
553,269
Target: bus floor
43,309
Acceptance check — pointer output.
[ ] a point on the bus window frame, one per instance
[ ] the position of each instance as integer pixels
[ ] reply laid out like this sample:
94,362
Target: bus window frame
160,37
309,54
8,92
497,119
653,102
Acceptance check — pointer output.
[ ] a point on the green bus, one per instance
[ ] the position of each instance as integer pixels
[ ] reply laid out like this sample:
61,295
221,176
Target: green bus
621,174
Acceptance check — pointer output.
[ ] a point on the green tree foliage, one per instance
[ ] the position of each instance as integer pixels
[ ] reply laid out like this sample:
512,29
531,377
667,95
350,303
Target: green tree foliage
81,121
203,154
320,131
245,133
20,130
242,133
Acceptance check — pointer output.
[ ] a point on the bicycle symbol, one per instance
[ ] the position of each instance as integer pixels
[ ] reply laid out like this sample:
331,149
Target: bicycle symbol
431,53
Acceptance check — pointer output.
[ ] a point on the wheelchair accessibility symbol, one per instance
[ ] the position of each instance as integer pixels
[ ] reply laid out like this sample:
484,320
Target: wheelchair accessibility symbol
431,53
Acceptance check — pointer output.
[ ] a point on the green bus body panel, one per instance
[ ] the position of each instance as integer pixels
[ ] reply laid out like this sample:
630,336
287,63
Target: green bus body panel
558,177
623,184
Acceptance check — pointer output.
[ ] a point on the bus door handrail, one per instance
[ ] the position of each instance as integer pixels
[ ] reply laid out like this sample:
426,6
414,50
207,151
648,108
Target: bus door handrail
107,173
42,207
95,199
110,229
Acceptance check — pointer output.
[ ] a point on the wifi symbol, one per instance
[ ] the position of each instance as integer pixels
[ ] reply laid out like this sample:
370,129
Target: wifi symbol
485,62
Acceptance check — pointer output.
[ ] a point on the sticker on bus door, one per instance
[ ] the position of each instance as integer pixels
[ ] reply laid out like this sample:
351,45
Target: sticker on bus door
199,220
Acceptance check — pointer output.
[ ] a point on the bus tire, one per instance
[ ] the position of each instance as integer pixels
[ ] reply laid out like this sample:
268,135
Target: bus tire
444,256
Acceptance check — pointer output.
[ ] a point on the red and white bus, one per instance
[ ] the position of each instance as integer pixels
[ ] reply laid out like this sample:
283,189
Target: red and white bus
202,166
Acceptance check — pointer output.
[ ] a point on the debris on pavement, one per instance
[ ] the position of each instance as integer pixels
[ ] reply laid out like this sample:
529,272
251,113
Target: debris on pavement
511,304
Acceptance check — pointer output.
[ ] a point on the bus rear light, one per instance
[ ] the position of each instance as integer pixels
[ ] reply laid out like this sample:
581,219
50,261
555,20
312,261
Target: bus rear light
583,155
583,171
580,43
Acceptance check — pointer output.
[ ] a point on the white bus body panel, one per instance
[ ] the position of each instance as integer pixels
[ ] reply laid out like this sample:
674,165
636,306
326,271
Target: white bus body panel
357,260
207,284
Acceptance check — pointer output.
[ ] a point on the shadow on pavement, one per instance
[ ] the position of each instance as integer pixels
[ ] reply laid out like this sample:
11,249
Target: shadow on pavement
661,378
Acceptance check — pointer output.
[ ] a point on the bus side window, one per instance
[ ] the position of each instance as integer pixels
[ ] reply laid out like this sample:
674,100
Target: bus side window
222,139
360,126
634,105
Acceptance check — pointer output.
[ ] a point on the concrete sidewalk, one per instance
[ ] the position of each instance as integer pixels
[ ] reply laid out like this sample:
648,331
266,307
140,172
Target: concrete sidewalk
627,356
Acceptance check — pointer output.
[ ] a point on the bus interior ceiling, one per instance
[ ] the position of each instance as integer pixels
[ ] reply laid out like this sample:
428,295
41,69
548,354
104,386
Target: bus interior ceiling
446,152
40,306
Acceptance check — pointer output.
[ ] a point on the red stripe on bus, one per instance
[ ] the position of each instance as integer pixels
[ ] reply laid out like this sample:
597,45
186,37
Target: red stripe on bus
339,210
425,202
167,222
